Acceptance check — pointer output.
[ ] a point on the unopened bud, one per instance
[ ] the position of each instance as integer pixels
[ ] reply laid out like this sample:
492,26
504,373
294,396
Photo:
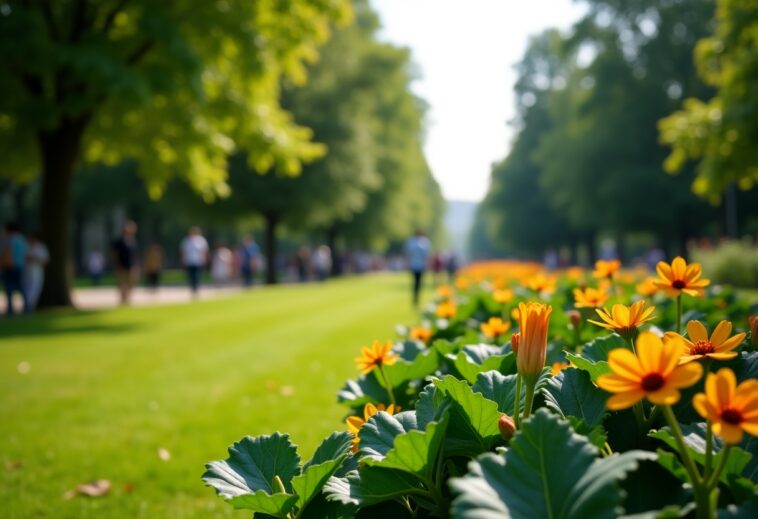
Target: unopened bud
507,426
515,339
753,321
575,318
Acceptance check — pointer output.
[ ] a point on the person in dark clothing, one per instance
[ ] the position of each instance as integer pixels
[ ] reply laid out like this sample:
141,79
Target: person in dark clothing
124,255
250,258
13,262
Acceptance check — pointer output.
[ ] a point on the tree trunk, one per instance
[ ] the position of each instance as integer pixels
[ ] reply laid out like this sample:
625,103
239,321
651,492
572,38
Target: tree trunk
272,221
59,151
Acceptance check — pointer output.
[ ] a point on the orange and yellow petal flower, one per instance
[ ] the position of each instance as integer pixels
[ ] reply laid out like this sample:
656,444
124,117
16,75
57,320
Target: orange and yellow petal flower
731,408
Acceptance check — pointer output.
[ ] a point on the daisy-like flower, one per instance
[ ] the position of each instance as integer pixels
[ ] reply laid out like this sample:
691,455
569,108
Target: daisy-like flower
446,310
679,277
653,373
354,423
590,297
541,283
647,287
732,409
494,327
420,333
606,269
699,346
377,355
503,295
624,320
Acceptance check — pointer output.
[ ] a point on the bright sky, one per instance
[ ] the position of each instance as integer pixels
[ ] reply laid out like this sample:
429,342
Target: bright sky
465,51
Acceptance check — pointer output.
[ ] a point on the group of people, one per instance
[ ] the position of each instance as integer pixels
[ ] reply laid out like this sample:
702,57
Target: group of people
195,256
22,262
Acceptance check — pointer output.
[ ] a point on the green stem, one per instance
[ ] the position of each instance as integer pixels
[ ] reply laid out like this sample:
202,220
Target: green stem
679,313
530,385
387,385
701,491
639,416
714,479
631,344
708,450
517,401
654,412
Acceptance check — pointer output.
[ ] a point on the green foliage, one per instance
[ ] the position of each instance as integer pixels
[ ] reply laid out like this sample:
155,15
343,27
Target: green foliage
734,263
524,481
572,393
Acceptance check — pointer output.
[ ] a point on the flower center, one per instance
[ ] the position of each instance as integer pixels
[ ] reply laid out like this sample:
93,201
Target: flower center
731,416
701,348
652,382
678,284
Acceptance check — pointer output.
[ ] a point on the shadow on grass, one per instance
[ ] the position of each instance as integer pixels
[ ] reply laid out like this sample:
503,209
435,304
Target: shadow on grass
60,323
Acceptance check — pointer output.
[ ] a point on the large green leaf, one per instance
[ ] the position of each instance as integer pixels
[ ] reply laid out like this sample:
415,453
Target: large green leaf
499,388
378,434
403,371
479,358
371,485
572,393
595,369
473,420
548,471
415,452
365,389
325,462
594,356
247,477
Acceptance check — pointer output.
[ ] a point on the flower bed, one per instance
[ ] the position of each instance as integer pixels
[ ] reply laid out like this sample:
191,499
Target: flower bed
530,394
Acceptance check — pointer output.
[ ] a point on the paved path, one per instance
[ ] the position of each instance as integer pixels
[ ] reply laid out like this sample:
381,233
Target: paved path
107,297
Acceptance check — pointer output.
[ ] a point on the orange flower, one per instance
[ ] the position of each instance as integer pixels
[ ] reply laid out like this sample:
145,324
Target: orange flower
494,327
446,310
354,423
679,277
558,367
589,297
731,409
515,340
624,320
503,295
378,355
653,373
444,292
462,283
532,348
647,287
698,346
575,273
606,269
541,283
421,333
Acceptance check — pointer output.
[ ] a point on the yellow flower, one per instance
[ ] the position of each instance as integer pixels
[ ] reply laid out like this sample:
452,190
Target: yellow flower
445,310
653,373
515,314
494,327
698,346
606,269
647,287
503,295
679,277
532,343
624,320
558,367
575,273
421,333
589,297
462,283
354,423
731,409
378,355
541,283
444,292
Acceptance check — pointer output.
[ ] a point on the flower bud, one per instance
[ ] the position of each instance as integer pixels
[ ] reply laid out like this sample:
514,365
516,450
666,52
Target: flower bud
575,318
515,339
507,426
533,327
753,321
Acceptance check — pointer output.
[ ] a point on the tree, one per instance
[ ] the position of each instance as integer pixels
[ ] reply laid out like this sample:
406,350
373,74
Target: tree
721,133
177,86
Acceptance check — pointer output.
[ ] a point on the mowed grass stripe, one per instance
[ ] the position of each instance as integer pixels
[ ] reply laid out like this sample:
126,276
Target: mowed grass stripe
106,390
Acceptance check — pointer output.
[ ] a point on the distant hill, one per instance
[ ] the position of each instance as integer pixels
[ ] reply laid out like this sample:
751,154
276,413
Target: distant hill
459,217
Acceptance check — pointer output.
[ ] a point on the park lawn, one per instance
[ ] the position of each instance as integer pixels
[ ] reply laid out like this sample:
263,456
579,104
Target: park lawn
106,390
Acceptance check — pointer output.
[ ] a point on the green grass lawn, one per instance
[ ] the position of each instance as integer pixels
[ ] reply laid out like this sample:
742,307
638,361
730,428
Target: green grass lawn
106,390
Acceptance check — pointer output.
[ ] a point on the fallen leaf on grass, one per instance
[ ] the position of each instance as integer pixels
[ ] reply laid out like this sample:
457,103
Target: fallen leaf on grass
92,489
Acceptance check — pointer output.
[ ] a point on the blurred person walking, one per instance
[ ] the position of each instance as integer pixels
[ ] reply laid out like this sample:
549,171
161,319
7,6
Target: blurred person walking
250,257
452,267
124,254
153,265
322,262
37,256
194,253
13,261
221,265
302,259
417,250
95,265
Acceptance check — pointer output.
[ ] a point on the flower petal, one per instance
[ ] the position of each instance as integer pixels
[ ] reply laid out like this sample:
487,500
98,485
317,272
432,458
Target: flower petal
696,331
625,363
664,270
686,375
679,267
721,333
730,433
664,396
624,400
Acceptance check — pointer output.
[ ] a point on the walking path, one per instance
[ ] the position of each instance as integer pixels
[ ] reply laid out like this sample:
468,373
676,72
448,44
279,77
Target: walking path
107,297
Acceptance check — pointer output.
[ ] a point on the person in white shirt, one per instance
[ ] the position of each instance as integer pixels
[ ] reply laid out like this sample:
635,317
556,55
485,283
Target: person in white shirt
37,257
194,251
